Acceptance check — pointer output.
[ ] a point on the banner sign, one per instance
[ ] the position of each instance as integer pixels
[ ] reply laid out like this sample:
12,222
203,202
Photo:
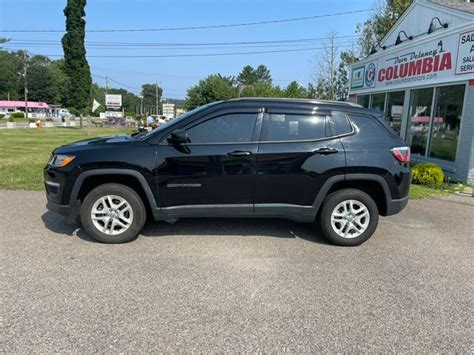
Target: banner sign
435,61
113,101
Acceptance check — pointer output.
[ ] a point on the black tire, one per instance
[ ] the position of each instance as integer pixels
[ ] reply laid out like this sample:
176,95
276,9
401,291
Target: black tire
126,193
333,200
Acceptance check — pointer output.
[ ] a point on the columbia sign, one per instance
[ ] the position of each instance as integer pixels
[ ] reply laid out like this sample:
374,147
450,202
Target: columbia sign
432,62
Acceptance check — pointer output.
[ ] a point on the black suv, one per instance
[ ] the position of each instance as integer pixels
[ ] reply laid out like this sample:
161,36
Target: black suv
336,164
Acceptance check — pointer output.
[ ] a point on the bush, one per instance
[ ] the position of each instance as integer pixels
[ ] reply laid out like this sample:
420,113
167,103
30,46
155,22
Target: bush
11,119
2,116
427,174
17,115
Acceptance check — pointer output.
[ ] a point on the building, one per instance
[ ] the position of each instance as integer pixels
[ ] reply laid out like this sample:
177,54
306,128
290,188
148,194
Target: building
35,109
421,75
168,111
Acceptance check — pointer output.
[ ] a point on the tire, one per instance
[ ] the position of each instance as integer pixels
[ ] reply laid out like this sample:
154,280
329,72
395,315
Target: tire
118,206
337,217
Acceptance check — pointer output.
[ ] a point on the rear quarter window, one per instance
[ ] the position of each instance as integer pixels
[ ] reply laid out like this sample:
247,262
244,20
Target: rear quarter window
341,123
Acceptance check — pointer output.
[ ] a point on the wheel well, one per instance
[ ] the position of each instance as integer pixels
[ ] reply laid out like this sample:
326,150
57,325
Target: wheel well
91,182
370,187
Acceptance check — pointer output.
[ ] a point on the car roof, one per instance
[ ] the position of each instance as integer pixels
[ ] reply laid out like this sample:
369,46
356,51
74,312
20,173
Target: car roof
323,104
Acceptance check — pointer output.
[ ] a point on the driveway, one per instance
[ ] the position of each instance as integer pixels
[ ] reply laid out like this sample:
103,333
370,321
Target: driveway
237,285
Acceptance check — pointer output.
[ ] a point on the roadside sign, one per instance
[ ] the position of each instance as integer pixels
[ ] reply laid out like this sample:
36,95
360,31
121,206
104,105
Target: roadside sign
113,101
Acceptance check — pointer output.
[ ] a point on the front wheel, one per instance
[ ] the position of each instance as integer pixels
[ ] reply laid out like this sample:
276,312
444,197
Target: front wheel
113,213
348,217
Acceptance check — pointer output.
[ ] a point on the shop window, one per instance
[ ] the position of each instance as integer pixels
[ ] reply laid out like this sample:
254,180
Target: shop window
419,119
378,102
363,100
446,122
395,101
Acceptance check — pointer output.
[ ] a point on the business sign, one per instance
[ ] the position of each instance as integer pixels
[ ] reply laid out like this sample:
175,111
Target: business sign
465,58
357,77
114,114
113,101
430,62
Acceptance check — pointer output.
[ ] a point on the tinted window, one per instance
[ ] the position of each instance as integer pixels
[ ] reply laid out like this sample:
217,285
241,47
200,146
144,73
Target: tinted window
342,123
290,127
224,129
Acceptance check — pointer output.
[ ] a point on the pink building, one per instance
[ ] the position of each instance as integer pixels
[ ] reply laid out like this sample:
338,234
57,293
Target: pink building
35,109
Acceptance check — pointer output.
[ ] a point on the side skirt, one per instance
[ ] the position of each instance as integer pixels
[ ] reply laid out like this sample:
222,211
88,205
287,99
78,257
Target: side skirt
285,211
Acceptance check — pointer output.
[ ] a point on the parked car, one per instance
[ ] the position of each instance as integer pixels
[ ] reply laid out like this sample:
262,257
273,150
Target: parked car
333,164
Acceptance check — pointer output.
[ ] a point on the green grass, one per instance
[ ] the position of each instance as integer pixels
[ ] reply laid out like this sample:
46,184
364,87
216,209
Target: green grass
421,191
24,152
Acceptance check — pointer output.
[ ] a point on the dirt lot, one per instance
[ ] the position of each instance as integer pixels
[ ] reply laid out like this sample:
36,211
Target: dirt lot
237,285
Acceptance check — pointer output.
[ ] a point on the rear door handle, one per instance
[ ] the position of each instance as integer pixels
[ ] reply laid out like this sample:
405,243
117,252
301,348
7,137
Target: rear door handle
325,150
238,153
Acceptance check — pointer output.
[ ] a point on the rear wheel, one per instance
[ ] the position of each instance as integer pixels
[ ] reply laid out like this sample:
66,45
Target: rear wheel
348,217
113,213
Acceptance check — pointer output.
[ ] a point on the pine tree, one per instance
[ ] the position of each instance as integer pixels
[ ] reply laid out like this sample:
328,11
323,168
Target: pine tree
75,63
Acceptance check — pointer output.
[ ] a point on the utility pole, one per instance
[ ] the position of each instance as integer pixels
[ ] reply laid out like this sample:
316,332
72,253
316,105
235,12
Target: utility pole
157,100
25,80
106,85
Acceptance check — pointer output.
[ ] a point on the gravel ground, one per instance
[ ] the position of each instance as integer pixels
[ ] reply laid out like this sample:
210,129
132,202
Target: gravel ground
237,285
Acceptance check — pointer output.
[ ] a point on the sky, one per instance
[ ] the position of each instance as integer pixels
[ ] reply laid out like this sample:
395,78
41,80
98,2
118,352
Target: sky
176,75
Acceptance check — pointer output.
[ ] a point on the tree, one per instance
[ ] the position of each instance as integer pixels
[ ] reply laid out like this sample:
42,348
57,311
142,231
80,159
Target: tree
250,76
247,76
263,74
149,95
76,67
326,68
213,88
295,90
10,66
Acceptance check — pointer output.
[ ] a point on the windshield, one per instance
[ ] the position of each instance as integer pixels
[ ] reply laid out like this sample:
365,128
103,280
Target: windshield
179,119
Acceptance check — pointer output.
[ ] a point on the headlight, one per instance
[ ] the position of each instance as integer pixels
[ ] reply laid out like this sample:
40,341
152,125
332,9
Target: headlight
60,160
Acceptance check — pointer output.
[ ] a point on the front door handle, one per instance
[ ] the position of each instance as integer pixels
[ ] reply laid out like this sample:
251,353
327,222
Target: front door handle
325,150
238,153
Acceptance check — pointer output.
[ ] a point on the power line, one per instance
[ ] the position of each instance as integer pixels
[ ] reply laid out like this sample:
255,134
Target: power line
173,44
199,54
242,24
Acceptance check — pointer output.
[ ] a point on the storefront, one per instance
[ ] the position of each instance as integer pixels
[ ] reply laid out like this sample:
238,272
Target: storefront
421,75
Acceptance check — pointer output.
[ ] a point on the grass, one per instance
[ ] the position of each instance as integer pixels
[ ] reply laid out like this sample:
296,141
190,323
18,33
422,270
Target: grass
421,191
24,152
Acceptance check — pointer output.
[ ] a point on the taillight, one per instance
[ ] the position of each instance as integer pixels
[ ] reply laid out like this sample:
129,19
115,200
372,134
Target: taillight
402,154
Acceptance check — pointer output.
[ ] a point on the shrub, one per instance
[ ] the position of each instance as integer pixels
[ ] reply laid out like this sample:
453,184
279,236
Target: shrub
427,174
17,115
2,116
11,119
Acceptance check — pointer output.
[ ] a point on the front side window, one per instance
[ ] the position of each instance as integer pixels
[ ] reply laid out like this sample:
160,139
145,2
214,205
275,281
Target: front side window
231,128
293,127
446,122
419,119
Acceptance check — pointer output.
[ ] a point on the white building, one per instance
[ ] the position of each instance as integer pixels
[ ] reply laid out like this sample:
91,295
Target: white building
421,75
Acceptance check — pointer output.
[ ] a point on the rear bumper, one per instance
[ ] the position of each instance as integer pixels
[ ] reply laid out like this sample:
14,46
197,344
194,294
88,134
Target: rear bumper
395,206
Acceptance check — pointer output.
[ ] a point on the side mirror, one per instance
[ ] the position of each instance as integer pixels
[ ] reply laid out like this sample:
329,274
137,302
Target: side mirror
179,136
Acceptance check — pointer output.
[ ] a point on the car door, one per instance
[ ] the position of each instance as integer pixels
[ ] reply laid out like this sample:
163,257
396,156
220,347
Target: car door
215,169
297,153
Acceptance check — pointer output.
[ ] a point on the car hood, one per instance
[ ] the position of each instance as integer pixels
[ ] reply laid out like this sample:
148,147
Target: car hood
98,142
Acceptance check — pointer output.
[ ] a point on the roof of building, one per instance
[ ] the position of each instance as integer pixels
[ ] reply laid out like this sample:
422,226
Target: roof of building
18,104
461,5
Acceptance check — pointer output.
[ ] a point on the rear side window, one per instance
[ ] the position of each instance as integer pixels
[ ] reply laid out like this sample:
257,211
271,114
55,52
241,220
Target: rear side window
292,127
341,123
